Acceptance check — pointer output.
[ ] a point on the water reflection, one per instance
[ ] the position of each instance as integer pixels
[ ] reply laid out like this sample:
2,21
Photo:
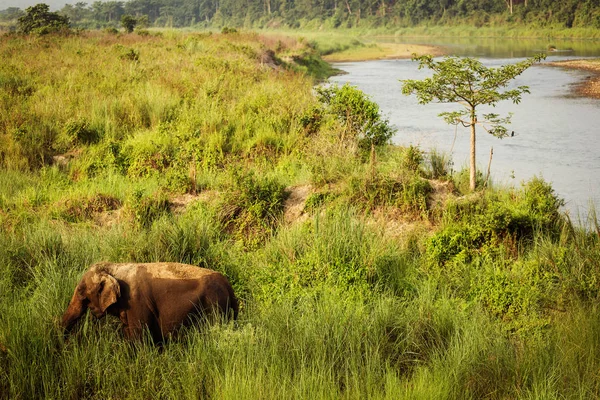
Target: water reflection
556,134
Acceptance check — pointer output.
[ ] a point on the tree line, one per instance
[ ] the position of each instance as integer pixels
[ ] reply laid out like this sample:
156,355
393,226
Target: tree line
329,13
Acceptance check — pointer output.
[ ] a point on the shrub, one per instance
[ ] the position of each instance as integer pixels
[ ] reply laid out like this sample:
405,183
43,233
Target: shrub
543,206
252,207
145,209
35,144
439,165
79,132
84,208
129,54
408,192
413,158
128,22
359,116
38,19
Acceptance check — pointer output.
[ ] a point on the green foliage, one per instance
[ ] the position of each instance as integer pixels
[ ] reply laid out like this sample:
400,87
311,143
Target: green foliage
439,165
480,222
130,54
228,31
39,20
468,82
461,180
252,207
316,200
479,252
335,250
145,209
79,132
413,158
542,205
409,193
128,22
357,14
77,209
360,117
311,120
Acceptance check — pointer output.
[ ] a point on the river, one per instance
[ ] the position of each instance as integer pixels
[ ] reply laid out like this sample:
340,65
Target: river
556,134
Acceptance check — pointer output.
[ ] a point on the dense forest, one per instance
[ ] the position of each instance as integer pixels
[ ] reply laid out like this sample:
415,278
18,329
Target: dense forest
330,13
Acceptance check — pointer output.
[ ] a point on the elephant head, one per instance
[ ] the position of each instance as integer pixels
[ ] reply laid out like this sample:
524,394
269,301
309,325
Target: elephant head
97,291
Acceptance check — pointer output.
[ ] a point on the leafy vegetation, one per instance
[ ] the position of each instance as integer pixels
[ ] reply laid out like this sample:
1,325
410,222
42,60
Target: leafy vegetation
381,15
38,19
360,117
385,283
468,82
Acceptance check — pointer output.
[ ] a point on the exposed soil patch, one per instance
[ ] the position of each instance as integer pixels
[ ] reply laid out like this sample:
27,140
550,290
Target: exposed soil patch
294,205
442,190
590,87
397,224
109,218
178,204
62,160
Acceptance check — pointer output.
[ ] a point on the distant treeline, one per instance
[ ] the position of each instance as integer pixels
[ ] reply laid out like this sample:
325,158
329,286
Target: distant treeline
331,13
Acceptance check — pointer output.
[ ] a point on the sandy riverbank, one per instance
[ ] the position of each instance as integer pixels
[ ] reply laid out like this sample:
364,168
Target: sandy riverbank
382,51
590,87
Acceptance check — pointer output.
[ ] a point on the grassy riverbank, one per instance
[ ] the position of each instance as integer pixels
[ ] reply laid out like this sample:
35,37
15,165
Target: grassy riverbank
360,275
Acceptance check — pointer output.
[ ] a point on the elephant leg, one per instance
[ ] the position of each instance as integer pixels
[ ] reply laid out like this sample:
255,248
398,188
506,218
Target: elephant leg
132,333
132,329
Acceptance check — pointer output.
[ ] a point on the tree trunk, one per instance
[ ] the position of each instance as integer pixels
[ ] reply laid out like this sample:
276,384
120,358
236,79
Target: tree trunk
473,170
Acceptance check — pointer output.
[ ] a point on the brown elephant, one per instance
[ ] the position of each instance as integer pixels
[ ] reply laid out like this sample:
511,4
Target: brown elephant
157,296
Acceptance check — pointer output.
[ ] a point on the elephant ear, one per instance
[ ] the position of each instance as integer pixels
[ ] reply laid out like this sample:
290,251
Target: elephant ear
110,291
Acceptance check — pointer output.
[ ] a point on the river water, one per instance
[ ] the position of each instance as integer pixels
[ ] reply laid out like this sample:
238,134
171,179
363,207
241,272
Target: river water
556,134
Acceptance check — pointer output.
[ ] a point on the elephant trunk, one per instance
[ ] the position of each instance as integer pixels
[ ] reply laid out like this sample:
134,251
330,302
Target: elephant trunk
76,309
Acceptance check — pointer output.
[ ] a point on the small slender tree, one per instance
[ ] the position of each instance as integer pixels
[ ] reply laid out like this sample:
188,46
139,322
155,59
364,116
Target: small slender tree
468,82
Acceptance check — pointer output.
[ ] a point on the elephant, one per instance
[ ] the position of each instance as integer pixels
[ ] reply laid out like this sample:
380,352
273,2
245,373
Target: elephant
159,297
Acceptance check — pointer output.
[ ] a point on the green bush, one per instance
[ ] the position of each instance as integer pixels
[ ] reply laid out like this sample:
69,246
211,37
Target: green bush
39,20
79,209
439,165
409,192
542,204
79,132
359,116
252,206
412,158
145,209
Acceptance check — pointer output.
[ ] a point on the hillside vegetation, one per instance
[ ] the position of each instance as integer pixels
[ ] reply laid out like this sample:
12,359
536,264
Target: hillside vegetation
364,270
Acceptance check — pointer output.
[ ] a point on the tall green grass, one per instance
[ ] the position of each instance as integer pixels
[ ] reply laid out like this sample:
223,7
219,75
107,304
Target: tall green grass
192,153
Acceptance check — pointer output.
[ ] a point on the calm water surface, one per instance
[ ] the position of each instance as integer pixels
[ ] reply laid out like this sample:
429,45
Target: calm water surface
557,135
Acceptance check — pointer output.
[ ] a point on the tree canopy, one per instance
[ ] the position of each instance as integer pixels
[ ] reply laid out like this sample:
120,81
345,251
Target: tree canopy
335,13
39,19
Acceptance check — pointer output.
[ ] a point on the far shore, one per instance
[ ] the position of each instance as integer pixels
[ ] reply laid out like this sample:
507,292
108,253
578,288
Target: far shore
590,87
384,51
